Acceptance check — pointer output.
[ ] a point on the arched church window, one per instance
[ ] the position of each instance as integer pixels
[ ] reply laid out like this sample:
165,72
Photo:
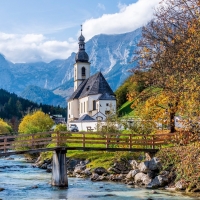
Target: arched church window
83,71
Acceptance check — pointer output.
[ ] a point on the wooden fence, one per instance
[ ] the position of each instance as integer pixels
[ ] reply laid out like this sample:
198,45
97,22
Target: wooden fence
89,140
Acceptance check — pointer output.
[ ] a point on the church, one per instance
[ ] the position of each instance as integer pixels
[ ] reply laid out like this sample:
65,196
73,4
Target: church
92,99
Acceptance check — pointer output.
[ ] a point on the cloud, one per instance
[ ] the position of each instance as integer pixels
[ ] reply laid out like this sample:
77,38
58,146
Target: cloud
34,48
38,47
122,7
101,6
127,19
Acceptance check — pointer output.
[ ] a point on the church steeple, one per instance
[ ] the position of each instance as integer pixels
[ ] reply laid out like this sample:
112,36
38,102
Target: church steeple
82,65
81,56
81,41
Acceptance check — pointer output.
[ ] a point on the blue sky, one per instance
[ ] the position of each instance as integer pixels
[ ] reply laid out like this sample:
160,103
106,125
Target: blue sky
43,30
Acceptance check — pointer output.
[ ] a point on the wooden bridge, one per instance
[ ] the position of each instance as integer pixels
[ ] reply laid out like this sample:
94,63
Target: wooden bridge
60,142
49,141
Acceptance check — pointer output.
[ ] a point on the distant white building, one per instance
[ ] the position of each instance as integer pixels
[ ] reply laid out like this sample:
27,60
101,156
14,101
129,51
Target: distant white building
93,98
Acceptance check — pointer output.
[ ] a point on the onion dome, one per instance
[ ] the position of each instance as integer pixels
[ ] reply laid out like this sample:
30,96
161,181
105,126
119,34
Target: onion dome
81,55
81,37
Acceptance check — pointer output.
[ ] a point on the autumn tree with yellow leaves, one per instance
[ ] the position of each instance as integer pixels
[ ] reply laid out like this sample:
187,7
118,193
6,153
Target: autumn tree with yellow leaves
4,127
170,51
35,122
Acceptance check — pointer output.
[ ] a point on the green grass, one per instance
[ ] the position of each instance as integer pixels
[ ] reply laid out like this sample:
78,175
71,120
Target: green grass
126,109
101,158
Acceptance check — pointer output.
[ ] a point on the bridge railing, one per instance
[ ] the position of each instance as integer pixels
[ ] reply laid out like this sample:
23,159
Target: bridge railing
88,139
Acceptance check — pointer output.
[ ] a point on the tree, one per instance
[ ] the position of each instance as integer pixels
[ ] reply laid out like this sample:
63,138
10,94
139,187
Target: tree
4,127
36,122
138,83
121,93
169,49
12,106
61,127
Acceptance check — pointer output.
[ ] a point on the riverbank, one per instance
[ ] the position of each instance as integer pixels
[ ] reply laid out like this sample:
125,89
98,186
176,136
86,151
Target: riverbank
173,169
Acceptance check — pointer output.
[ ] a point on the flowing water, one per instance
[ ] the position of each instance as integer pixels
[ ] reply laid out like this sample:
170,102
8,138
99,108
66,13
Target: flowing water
21,181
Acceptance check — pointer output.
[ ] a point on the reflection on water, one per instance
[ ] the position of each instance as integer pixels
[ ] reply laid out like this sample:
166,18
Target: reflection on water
21,181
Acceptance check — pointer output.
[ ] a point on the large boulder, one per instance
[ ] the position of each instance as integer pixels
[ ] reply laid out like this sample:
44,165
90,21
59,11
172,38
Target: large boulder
181,185
130,176
100,170
142,179
49,168
143,166
159,181
134,164
71,163
87,172
94,177
79,169
121,167
43,166
154,165
114,170
117,177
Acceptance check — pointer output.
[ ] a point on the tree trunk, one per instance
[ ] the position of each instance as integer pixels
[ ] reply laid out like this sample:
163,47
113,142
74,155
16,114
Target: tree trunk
172,122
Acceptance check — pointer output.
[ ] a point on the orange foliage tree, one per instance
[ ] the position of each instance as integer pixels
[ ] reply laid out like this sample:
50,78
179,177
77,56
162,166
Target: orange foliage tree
169,50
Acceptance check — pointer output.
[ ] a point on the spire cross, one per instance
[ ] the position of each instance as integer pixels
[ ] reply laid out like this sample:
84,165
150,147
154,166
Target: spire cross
81,28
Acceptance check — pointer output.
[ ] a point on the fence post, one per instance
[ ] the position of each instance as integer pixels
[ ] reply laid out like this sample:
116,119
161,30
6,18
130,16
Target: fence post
130,141
58,138
32,142
153,142
107,141
83,139
5,141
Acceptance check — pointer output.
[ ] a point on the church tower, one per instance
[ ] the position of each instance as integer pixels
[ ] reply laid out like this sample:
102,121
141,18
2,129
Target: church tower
82,65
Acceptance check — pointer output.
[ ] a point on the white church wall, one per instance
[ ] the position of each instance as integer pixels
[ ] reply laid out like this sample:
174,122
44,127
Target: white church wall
83,104
69,110
91,99
83,126
106,105
86,105
73,109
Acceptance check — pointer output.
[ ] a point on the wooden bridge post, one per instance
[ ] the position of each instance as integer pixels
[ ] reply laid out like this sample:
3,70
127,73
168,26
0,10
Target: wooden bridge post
59,169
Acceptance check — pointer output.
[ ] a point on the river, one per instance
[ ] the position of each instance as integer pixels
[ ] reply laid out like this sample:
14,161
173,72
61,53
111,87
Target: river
21,181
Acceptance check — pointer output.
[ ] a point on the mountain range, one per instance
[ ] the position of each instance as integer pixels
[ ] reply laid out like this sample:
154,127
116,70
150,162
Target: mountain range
52,83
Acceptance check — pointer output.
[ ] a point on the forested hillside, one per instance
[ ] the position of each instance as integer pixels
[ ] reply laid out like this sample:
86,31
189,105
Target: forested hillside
13,108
